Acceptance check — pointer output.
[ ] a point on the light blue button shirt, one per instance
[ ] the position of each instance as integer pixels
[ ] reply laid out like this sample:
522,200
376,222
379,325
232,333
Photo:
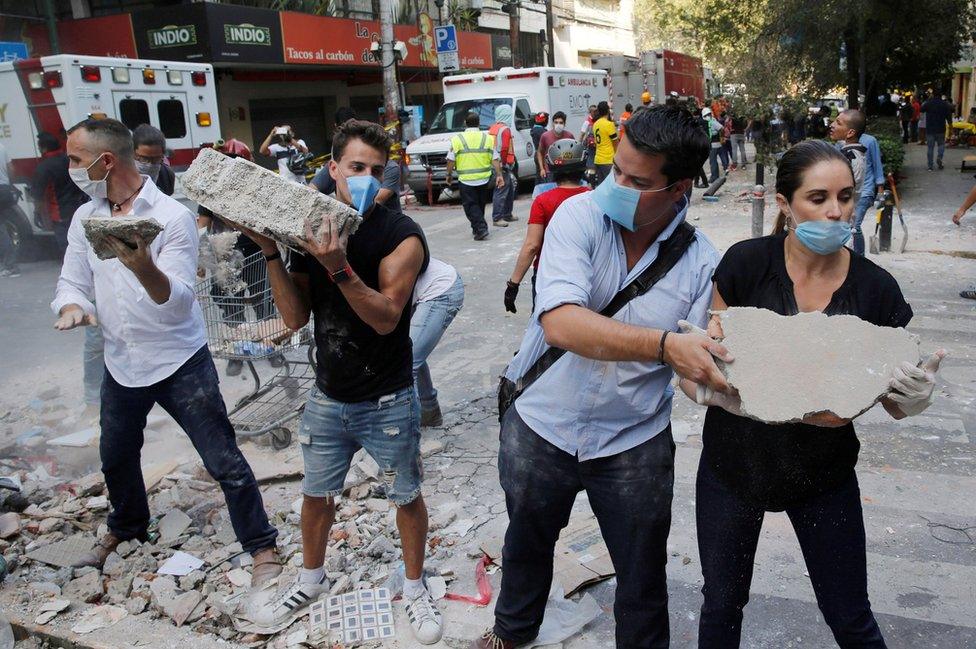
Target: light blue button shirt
873,169
591,408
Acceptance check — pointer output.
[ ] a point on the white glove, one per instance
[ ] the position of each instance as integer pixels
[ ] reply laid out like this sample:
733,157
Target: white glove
704,395
912,387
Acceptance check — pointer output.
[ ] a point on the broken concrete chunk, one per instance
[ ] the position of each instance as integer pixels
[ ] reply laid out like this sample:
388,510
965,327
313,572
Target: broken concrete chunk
788,367
126,228
172,525
9,525
87,588
97,618
48,610
185,608
63,554
244,193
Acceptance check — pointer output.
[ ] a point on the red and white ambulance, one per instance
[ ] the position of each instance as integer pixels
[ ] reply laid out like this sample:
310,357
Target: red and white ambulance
53,93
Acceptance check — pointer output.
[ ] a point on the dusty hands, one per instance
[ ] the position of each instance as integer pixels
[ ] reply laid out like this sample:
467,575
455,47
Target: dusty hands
328,246
73,316
138,260
267,244
912,387
691,356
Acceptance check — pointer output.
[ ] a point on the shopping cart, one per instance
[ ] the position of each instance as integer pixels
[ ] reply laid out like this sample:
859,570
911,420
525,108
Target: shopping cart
244,325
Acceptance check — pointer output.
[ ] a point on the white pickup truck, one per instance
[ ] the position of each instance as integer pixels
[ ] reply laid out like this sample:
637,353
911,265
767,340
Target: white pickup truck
527,90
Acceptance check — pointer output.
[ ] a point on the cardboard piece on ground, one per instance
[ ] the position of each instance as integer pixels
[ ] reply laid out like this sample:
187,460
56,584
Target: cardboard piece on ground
581,558
63,554
180,564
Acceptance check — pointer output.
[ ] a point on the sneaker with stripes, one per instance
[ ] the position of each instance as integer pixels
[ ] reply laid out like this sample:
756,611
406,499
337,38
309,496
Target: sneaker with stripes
425,619
289,601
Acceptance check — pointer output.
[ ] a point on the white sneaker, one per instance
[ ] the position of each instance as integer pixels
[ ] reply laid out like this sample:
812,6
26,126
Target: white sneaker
425,618
285,603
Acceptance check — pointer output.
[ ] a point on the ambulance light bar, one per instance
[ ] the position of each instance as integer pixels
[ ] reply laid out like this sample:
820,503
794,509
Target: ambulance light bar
175,77
120,75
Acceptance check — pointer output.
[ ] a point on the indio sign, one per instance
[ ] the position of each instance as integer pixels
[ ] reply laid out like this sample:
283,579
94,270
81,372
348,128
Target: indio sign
172,36
247,34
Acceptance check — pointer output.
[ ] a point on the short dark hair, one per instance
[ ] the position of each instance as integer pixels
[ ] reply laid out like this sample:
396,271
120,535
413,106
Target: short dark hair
344,114
602,109
47,142
559,115
472,119
148,135
562,175
109,135
673,133
369,133
629,108
855,120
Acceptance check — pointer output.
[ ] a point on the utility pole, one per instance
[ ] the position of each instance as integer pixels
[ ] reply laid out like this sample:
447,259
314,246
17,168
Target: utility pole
391,92
52,26
512,9
550,36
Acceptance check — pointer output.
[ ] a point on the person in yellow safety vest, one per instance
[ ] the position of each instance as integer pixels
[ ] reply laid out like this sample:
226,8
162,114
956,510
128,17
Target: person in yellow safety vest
474,156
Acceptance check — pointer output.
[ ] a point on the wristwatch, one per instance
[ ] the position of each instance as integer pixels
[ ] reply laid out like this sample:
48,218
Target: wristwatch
341,275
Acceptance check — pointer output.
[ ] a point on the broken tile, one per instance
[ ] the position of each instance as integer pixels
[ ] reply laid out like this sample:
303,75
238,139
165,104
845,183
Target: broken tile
63,554
172,525
80,439
839,364
152,474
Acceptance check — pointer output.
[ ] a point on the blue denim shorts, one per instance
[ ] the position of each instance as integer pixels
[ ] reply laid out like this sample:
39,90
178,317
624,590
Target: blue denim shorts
388,429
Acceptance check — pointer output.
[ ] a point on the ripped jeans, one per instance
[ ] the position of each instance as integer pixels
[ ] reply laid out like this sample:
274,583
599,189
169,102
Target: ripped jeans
388,429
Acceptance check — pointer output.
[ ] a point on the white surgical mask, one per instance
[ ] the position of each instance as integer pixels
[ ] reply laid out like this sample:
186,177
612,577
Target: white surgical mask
558,128
94,188
150,169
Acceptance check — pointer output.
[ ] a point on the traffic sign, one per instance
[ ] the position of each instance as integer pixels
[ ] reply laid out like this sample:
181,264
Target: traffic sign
12,51
445,41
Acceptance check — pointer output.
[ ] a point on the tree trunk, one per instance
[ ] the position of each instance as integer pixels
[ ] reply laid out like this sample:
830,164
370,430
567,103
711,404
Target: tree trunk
391,93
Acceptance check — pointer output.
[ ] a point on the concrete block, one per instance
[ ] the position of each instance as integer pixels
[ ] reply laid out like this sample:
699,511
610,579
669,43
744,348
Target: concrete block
244,193
99,228
786,368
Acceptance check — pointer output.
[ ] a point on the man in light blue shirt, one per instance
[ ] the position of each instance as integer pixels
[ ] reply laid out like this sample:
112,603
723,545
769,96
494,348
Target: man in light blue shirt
599,418
874,181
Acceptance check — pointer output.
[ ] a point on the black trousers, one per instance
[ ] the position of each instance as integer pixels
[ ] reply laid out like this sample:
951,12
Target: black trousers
630,493
830,529
192,397
473,200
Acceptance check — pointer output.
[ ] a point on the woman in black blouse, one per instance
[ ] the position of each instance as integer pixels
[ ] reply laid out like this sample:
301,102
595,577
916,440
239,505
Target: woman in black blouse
807,469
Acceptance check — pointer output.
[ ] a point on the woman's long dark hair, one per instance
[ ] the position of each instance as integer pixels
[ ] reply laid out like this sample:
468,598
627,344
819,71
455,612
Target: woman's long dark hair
794,163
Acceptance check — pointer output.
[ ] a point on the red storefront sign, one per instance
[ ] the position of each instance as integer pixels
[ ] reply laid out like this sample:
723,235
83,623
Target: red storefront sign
317,40
101,36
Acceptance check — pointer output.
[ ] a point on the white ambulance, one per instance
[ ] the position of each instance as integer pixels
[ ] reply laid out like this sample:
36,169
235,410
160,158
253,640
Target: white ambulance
527,90
53,93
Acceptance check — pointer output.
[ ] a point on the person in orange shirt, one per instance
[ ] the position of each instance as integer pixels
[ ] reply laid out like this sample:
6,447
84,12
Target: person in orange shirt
504,197
624,116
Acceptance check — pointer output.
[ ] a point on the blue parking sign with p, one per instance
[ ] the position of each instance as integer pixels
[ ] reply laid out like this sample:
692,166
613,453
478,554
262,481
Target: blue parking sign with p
445,39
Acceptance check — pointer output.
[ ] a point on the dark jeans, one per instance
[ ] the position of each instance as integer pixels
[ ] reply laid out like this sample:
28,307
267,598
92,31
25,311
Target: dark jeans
934,140
630,493
473,200
192,397
503,199
905,126
8,251
830,529
913,130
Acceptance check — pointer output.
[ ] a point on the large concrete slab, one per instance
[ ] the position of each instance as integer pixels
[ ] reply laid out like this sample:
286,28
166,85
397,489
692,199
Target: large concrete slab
244,193
99,228
788,367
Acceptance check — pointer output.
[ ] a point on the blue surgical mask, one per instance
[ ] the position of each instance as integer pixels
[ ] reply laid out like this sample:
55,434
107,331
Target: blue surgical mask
822,237
619,203
362,191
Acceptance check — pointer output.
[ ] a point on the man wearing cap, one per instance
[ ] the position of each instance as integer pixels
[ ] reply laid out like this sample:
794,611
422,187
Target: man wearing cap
714,129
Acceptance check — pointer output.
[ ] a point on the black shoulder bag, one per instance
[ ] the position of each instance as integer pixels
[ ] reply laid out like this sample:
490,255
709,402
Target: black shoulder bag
672,249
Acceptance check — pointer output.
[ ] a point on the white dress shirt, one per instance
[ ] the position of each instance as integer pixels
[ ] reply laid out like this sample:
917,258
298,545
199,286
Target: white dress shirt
145,342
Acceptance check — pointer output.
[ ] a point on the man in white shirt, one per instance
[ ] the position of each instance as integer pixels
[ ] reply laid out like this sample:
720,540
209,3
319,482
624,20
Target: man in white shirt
155,343
281,144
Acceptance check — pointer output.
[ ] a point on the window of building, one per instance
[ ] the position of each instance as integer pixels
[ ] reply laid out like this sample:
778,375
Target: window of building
172,118
133,112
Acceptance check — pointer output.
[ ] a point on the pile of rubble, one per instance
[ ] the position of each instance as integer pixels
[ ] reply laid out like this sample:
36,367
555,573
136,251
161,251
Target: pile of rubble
191,572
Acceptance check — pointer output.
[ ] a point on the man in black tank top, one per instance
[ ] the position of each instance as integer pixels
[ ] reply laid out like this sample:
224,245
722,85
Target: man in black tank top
358,288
